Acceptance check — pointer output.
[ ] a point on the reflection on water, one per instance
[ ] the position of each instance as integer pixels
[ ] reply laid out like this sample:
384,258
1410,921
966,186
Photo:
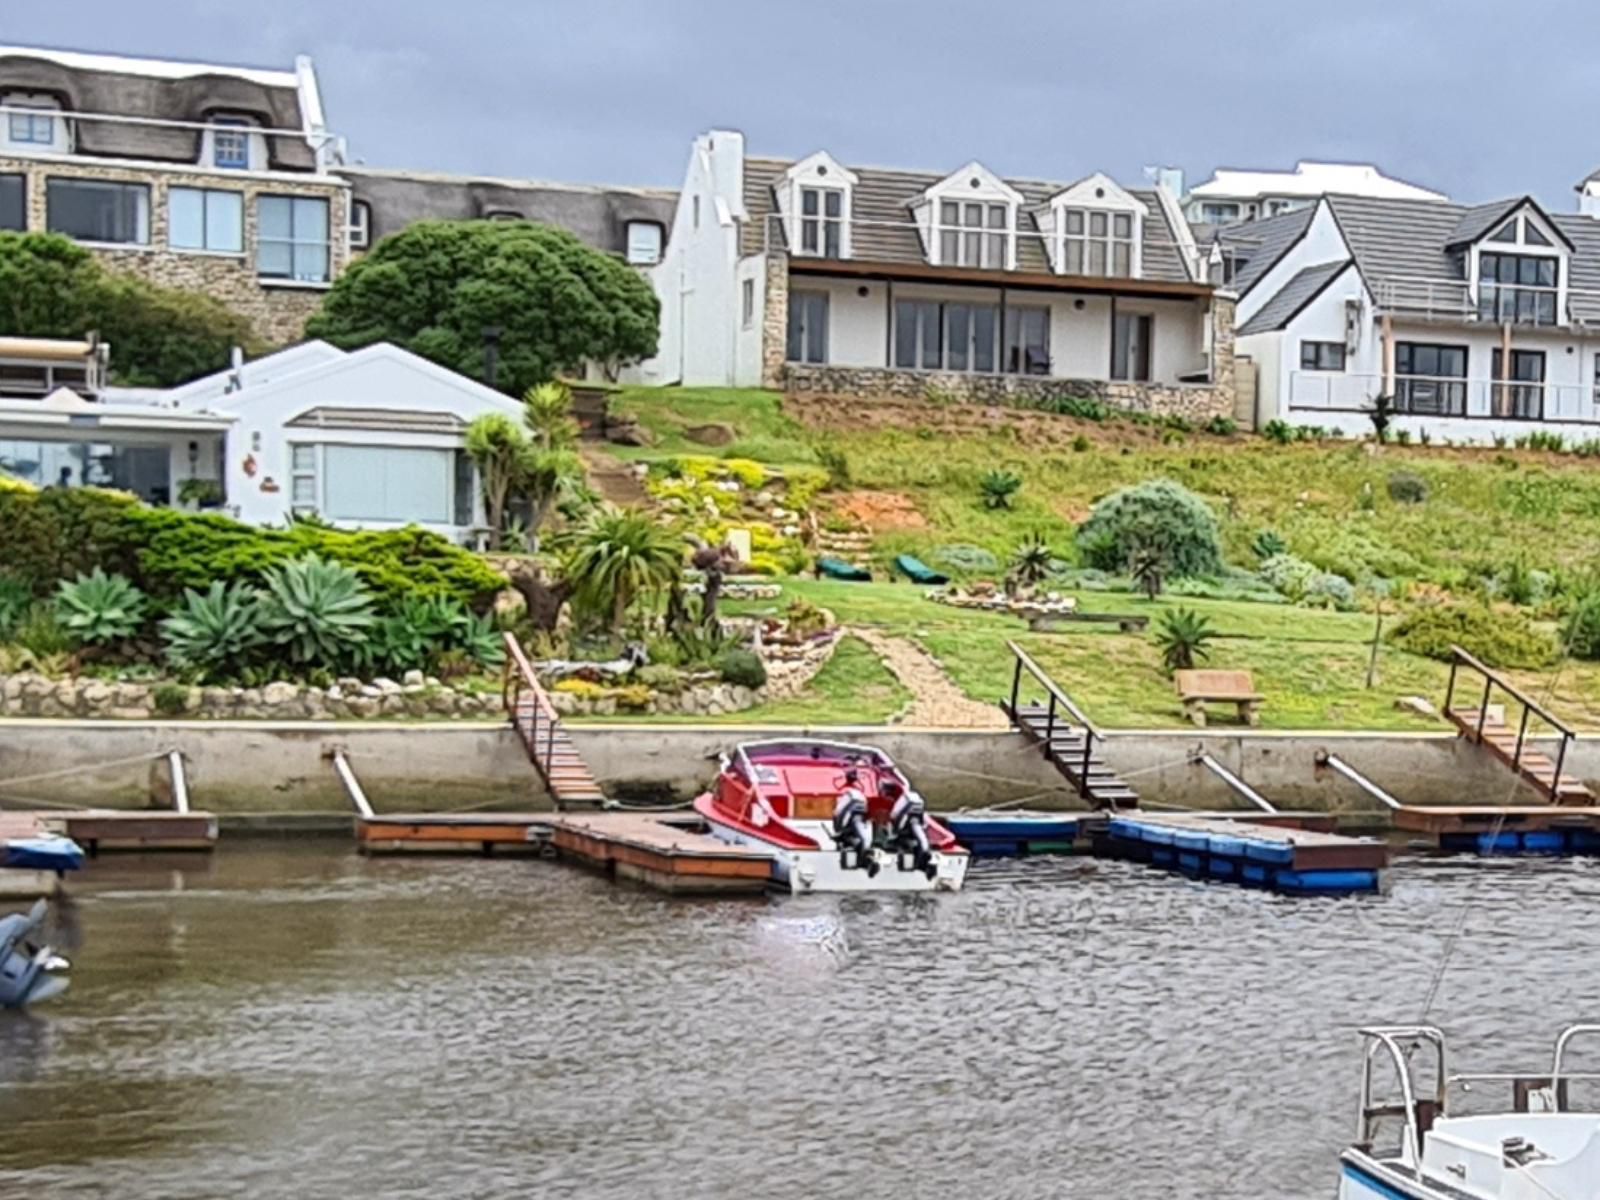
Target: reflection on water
288,1019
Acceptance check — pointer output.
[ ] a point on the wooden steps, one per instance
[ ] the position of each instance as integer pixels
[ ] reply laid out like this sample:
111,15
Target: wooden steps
572,784
1064,745
1535,767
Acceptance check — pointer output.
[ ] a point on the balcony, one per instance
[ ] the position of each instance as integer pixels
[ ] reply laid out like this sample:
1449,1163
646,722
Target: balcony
1451,301
1446,397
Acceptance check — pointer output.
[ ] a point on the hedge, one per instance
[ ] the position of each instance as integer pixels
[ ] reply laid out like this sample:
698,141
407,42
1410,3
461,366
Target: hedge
50,535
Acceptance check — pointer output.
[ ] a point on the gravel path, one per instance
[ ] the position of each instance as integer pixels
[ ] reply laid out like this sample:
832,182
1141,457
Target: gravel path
936,701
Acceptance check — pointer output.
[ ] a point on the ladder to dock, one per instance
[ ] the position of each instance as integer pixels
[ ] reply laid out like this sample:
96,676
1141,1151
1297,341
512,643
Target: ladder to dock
1067,737
1496,735
551,751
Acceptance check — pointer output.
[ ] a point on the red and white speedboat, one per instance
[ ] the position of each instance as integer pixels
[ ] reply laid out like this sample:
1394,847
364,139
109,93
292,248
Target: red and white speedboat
837,817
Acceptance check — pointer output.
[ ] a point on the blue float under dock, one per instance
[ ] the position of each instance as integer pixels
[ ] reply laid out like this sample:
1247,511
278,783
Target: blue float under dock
1009,834
1299,862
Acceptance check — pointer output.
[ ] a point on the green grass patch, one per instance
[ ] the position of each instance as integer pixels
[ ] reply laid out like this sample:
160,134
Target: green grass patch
762,430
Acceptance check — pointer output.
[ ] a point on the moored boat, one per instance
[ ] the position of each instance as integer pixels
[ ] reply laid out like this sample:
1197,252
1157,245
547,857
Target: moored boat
1538,1148
27,970
40,852
836,817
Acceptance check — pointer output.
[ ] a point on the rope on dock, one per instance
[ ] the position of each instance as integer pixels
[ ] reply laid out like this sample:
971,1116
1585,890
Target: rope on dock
84,769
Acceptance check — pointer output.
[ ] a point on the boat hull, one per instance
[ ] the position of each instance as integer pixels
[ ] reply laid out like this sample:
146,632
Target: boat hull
806,871
1362,1178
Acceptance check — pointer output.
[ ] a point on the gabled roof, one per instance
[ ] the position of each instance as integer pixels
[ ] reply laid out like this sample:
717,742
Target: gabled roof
203,392
882,230
1293,297
1258,245
1483,219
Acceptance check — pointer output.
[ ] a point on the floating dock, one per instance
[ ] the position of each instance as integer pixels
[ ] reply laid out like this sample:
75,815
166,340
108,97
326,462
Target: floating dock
99,830
1009,834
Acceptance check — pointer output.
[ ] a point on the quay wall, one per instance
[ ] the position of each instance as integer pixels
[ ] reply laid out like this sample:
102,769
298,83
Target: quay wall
282,769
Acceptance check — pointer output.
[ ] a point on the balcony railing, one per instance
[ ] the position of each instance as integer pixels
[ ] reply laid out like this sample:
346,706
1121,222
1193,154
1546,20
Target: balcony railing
1440,396
1451,300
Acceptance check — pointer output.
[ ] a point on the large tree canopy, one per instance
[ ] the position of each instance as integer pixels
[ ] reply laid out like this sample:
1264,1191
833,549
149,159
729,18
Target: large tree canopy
52,287
437,286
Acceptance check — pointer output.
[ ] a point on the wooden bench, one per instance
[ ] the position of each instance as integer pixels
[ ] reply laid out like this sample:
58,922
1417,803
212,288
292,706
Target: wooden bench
1198,688
1056,622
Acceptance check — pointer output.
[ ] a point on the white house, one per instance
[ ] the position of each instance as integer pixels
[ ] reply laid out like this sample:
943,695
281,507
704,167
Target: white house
370,439
1480,322
816,275
1230,196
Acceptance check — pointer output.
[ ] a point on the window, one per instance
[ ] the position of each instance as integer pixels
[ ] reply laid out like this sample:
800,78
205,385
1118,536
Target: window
644,243
932,336
808,327
230,143
822,222
360,225
1520,288
747,303
1028,341
292,242
204,219
1097,242
1322,356
13,201
93,210
697,212
1523,396
973,233
388,483
1430,380
35,126
1130,346
918,335
303,480
1216,213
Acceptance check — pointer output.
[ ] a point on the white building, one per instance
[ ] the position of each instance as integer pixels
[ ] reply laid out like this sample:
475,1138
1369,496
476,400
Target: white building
814,275
372,439
1231,196
1480,322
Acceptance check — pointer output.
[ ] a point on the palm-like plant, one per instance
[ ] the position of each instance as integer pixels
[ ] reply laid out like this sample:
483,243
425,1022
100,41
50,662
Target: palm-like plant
547,412
499,450
547,478
1030,564
1183,636
621,555
998,487
319,612
214,630
98,608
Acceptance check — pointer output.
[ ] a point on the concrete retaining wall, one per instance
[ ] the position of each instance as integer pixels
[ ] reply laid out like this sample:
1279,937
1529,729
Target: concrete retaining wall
261,767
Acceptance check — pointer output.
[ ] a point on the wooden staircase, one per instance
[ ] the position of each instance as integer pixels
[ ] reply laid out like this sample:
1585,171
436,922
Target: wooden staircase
1066,736
1510,745
550,749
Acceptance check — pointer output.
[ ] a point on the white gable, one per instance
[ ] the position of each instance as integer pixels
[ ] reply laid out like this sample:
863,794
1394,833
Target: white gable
1100,191
821,169
974,181
205,391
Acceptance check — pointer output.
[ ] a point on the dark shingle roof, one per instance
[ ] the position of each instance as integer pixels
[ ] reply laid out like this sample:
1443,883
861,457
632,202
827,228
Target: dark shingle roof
1481,219
1292,297
1258,245
884,195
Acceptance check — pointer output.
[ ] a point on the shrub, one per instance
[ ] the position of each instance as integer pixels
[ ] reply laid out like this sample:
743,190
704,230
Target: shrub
583,688
1183,635
1278,430
1303,583
1268,544
213,632
40,634
998,487
318,611
1030,563
480,640
742,668
749,474
1085,408
1080,444
804,618
835,462
1156,513
15,599
1407,487
970,560
97,608
170,699
1222,426
1501,638
661,677
1581,631
1381,414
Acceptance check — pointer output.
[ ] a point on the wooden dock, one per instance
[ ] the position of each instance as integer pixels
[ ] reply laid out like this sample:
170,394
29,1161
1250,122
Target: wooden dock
99,830
483,833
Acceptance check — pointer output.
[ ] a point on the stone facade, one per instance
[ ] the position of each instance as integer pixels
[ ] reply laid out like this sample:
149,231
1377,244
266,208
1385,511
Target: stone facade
775,321
1224,375
278,311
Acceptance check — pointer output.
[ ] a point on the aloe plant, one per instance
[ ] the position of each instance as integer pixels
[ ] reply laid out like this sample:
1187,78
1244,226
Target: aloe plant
1183,636
1030,564
213,631
97,608
998,487
319,612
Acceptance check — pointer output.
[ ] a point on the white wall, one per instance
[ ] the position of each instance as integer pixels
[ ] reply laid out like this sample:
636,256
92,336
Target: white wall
1320,243
1177,341
752,269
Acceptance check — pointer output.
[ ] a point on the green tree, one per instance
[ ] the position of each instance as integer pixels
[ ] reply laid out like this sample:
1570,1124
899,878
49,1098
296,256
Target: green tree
52,287
498,449
621,555
436,286
547,412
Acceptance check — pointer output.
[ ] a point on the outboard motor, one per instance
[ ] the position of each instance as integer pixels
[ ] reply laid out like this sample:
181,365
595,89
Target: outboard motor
24,967
908,835
852,831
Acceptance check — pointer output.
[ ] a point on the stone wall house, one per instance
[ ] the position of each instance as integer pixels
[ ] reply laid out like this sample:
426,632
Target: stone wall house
814,275
209,178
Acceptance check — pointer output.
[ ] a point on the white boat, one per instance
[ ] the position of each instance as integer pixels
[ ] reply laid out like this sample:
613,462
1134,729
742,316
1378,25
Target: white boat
835,816
1537,1149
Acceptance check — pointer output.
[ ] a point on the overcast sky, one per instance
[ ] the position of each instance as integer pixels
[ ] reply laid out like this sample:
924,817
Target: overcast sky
1452,95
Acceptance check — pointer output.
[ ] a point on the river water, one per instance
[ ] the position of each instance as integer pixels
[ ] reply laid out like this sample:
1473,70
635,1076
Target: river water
289,1019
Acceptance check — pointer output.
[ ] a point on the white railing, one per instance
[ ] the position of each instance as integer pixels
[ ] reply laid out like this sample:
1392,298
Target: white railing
328,148
1453,300
1442,397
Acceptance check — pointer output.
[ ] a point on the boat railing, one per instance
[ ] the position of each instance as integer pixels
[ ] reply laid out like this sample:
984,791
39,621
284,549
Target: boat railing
1060,706
1418,1115
529,708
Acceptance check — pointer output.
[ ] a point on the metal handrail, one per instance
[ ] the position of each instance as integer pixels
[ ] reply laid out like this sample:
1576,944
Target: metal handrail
1493,679
1050,685
1057,697
1389,1038
517,676
1556,1076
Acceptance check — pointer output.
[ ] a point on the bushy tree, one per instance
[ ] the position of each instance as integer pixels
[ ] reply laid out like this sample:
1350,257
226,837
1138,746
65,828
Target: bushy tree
1156,514
436,286
53,287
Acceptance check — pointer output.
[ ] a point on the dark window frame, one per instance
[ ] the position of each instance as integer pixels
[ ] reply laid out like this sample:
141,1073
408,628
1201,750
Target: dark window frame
1521,396
804,332
21,182
1440,392
1322,356
54,185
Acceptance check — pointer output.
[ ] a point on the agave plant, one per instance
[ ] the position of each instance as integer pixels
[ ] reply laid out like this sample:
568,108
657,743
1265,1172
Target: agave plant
15,600
1030,565
1183,636
213,631
998,487
97,608
318,611
482,642
1268,544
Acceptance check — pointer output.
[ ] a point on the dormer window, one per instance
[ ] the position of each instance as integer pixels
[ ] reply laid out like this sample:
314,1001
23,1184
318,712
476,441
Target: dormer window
644,243
973,235
230,144
814,200
822,221
969,219
32,122
1519,273
1095,228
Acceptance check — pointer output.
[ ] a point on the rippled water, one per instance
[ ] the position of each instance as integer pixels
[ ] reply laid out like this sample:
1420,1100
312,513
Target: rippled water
288,1019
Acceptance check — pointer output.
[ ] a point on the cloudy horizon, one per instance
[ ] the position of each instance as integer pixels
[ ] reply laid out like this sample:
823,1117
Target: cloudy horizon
612,91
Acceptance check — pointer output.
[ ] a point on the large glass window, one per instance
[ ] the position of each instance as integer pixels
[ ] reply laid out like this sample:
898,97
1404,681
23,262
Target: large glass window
13,201
932,336
1430,380
973,233
388,483
1028,341
808,327
292,242
95,210
146,471
204,219
1518,287
1130,346
822,222
1097,243
1522,396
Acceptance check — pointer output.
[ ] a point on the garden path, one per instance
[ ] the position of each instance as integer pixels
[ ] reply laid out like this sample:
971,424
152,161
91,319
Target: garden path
937,702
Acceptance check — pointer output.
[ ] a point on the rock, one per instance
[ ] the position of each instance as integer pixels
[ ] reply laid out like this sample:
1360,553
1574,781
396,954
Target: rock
369,691
413,678
279,694
442,703
765,499
95,695
386,687
627,433
348,684
335,693
712,434
1416,705
362,706
432,682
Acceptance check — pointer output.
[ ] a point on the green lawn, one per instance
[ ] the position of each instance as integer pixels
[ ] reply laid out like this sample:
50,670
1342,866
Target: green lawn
763,431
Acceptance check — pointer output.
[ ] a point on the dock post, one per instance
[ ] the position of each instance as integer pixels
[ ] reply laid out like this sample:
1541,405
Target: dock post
352,785
1324,759
1235,783
1555,779
180,782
